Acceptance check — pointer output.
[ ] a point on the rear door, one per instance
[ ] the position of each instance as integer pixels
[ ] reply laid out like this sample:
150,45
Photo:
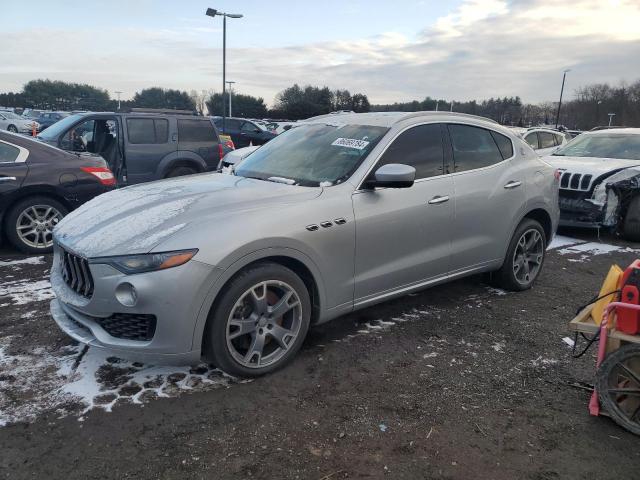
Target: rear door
147,142
489,195
251,134
198,135
13,169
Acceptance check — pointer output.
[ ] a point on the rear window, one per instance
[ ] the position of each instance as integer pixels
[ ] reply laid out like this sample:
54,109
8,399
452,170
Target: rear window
147,130
8,153
532,140
196,131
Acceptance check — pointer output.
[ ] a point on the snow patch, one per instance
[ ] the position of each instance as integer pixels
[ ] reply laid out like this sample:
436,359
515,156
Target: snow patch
24,261
22,292
560,241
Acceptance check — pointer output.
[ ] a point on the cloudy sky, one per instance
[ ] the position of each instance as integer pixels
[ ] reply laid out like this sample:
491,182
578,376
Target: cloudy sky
392,51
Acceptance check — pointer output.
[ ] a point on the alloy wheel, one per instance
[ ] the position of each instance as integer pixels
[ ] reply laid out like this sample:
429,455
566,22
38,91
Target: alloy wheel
528,256
263,324
35,225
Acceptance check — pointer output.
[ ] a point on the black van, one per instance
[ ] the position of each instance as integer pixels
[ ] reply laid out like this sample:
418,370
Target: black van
143,145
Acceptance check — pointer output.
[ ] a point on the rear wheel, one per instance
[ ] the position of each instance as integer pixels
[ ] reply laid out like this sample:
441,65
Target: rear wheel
180,172
12,128
631,225
259,322
29,224
525,257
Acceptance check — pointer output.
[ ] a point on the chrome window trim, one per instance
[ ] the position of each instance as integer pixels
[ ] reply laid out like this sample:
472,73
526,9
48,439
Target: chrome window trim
22,155
440,122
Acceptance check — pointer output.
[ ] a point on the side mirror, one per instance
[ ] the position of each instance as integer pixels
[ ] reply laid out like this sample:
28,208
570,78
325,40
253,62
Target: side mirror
393,175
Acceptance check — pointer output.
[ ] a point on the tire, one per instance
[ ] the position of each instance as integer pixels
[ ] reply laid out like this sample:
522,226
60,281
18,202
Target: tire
46,213
624,409
240,323
180,172
12,129
510,278
631,225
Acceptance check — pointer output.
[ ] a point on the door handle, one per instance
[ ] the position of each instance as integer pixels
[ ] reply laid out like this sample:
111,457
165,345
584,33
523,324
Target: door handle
8,179
438,199
512,184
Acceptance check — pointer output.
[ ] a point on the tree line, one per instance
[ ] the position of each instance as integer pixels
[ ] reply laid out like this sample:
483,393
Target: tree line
589,106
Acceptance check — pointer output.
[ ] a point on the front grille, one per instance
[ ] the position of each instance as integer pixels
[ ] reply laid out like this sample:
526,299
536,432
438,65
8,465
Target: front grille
575,181
76,273
129,326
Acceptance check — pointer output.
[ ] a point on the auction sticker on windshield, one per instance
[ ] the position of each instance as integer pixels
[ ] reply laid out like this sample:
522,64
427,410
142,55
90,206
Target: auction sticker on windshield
351,143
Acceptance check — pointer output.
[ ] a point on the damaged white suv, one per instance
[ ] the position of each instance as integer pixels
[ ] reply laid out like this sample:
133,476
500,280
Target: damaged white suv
600,181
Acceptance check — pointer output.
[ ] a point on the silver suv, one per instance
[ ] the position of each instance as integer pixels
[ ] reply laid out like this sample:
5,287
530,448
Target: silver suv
332,216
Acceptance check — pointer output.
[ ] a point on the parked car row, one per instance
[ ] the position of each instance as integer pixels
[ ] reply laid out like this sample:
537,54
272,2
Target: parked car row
323,220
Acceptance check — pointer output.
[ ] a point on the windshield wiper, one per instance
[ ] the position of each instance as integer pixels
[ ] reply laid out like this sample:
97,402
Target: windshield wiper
286,181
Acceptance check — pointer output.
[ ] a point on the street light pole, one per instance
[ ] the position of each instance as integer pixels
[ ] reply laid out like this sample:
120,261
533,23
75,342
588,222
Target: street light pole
564,76
211,12
611,115
118,93
230,95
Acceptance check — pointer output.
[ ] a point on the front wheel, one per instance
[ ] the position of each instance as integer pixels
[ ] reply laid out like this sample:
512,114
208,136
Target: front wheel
260,321
12,129
524,259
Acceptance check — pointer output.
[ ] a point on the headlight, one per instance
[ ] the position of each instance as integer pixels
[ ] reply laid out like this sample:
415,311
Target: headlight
148,262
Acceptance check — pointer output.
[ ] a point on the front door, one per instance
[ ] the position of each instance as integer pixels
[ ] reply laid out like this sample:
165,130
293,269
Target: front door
403,234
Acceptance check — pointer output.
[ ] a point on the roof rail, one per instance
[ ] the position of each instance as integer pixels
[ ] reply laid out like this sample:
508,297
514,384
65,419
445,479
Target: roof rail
163,111
445,113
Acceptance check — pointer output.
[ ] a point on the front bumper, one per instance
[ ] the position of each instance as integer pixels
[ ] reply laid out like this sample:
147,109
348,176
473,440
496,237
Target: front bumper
174,296
576,211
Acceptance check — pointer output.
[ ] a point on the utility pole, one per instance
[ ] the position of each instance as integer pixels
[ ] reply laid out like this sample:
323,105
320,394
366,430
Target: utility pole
564,76
611,115
437,103
211,12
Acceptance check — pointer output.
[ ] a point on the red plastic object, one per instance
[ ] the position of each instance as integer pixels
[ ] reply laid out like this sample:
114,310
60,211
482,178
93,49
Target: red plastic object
628,321
631,275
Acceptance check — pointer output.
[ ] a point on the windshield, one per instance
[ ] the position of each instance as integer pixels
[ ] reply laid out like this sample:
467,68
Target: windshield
312,155
624,146
54,131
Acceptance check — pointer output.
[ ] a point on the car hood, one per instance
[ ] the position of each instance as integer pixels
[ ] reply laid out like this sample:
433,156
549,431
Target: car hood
590,165
135,219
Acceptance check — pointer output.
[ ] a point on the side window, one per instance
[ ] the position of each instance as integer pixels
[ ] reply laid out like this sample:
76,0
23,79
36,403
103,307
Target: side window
504,144
532,139
546,140
233,124
162,130
8,153
249,127
419,147
473,147
76,139
141,130
196,131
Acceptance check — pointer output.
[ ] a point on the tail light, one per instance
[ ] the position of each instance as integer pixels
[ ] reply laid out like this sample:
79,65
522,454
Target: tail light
220,151
103,174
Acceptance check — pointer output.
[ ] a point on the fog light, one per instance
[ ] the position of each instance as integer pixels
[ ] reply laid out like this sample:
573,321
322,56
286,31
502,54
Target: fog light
126,294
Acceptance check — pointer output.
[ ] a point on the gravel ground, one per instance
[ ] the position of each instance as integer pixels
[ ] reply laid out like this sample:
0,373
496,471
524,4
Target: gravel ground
459,381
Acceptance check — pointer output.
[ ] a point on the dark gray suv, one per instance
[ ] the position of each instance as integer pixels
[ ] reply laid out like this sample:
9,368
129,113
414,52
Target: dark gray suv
142,146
